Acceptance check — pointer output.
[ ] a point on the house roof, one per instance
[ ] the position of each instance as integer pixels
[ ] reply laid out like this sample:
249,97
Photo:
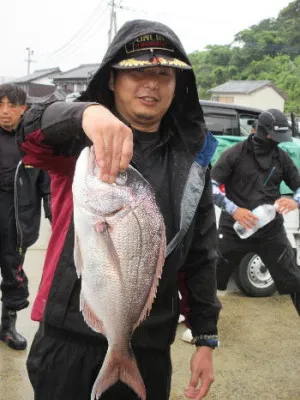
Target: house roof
84,71
245,87
40,73
59,94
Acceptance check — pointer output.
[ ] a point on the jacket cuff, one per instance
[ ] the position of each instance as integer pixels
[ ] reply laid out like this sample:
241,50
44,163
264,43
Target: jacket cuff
297,197
207,327
63,121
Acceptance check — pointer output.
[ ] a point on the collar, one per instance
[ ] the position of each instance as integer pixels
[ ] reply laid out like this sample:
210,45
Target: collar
165,131
6,132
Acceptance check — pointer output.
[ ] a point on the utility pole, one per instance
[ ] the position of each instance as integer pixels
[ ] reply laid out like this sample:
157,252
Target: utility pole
29,60
113,22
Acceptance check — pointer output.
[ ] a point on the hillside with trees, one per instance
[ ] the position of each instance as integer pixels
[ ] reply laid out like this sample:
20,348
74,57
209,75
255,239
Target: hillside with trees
269,50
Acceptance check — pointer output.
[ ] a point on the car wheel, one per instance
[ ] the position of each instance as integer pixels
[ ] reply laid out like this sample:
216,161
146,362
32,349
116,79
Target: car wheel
253,278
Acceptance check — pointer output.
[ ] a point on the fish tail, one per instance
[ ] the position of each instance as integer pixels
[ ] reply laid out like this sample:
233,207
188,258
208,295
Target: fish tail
119,366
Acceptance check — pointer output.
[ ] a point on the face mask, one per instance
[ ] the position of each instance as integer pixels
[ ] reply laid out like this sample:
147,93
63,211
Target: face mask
263,144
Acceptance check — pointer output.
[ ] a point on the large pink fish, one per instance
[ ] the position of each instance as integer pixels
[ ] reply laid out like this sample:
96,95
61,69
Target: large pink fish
119,254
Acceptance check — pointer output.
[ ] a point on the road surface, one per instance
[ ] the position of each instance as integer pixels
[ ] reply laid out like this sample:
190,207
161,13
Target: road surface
259,357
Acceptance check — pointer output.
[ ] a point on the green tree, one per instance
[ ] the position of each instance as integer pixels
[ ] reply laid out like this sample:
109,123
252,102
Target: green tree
269,50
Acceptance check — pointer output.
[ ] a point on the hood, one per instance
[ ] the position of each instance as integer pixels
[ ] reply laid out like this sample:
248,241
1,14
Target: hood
185,116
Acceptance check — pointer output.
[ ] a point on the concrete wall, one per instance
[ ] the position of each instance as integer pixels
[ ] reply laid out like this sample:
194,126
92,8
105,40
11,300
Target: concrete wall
264,99
46,80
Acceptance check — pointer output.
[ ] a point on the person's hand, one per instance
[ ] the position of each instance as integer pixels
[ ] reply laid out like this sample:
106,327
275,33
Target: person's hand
245,217
112,140
285,205
202,375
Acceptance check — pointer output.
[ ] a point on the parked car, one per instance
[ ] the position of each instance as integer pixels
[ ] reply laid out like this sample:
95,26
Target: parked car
231,123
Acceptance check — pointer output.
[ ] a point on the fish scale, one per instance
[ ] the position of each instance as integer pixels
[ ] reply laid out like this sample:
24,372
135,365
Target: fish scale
119,252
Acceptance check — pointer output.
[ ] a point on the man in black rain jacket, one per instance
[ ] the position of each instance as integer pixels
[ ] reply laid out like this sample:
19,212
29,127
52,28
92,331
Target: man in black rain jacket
140,106
252,172
21,190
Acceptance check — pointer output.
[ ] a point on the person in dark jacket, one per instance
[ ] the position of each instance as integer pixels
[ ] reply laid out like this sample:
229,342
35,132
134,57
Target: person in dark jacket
252,172
142,107
21,190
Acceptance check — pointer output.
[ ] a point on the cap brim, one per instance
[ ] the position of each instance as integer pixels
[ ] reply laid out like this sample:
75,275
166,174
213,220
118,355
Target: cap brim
280,137
144,61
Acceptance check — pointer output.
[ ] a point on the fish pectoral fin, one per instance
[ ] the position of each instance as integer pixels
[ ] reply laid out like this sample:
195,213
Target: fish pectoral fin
78,259
112,254
90,317
119,366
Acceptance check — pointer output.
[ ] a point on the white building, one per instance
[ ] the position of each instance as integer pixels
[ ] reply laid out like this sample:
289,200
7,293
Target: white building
76,79
258,94
39,83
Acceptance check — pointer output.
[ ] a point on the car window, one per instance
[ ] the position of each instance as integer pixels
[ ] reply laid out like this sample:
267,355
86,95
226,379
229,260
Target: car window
222,124
246,122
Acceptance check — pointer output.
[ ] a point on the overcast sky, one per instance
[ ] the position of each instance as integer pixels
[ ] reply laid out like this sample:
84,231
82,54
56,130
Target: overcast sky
66,34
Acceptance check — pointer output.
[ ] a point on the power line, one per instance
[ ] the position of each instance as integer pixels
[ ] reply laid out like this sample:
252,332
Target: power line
113,22
85,38
140,11
113,19
78,40
79,32
82,35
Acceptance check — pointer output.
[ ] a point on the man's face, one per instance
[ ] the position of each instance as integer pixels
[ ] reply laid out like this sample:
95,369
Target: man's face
10,114
143,96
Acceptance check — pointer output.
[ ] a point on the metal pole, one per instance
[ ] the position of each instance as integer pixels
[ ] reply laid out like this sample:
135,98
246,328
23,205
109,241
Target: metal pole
115,22
29,61
111,21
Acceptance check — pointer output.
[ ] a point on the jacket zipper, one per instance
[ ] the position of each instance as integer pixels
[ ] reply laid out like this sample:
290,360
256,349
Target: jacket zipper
16,203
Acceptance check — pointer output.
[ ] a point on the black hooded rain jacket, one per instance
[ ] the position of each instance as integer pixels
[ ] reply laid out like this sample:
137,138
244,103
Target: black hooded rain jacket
51,138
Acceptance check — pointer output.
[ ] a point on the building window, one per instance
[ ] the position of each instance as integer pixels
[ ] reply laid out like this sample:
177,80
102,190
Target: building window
223,99
246,123
222,124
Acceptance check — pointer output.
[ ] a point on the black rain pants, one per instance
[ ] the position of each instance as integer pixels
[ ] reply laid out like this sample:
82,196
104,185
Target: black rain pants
14,284
275,251
64,366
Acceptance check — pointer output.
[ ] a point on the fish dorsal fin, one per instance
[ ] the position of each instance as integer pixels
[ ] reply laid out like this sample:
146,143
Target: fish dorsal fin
157,275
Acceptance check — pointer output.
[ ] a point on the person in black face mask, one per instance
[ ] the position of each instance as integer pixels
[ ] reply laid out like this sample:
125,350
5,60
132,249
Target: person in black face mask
252,172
